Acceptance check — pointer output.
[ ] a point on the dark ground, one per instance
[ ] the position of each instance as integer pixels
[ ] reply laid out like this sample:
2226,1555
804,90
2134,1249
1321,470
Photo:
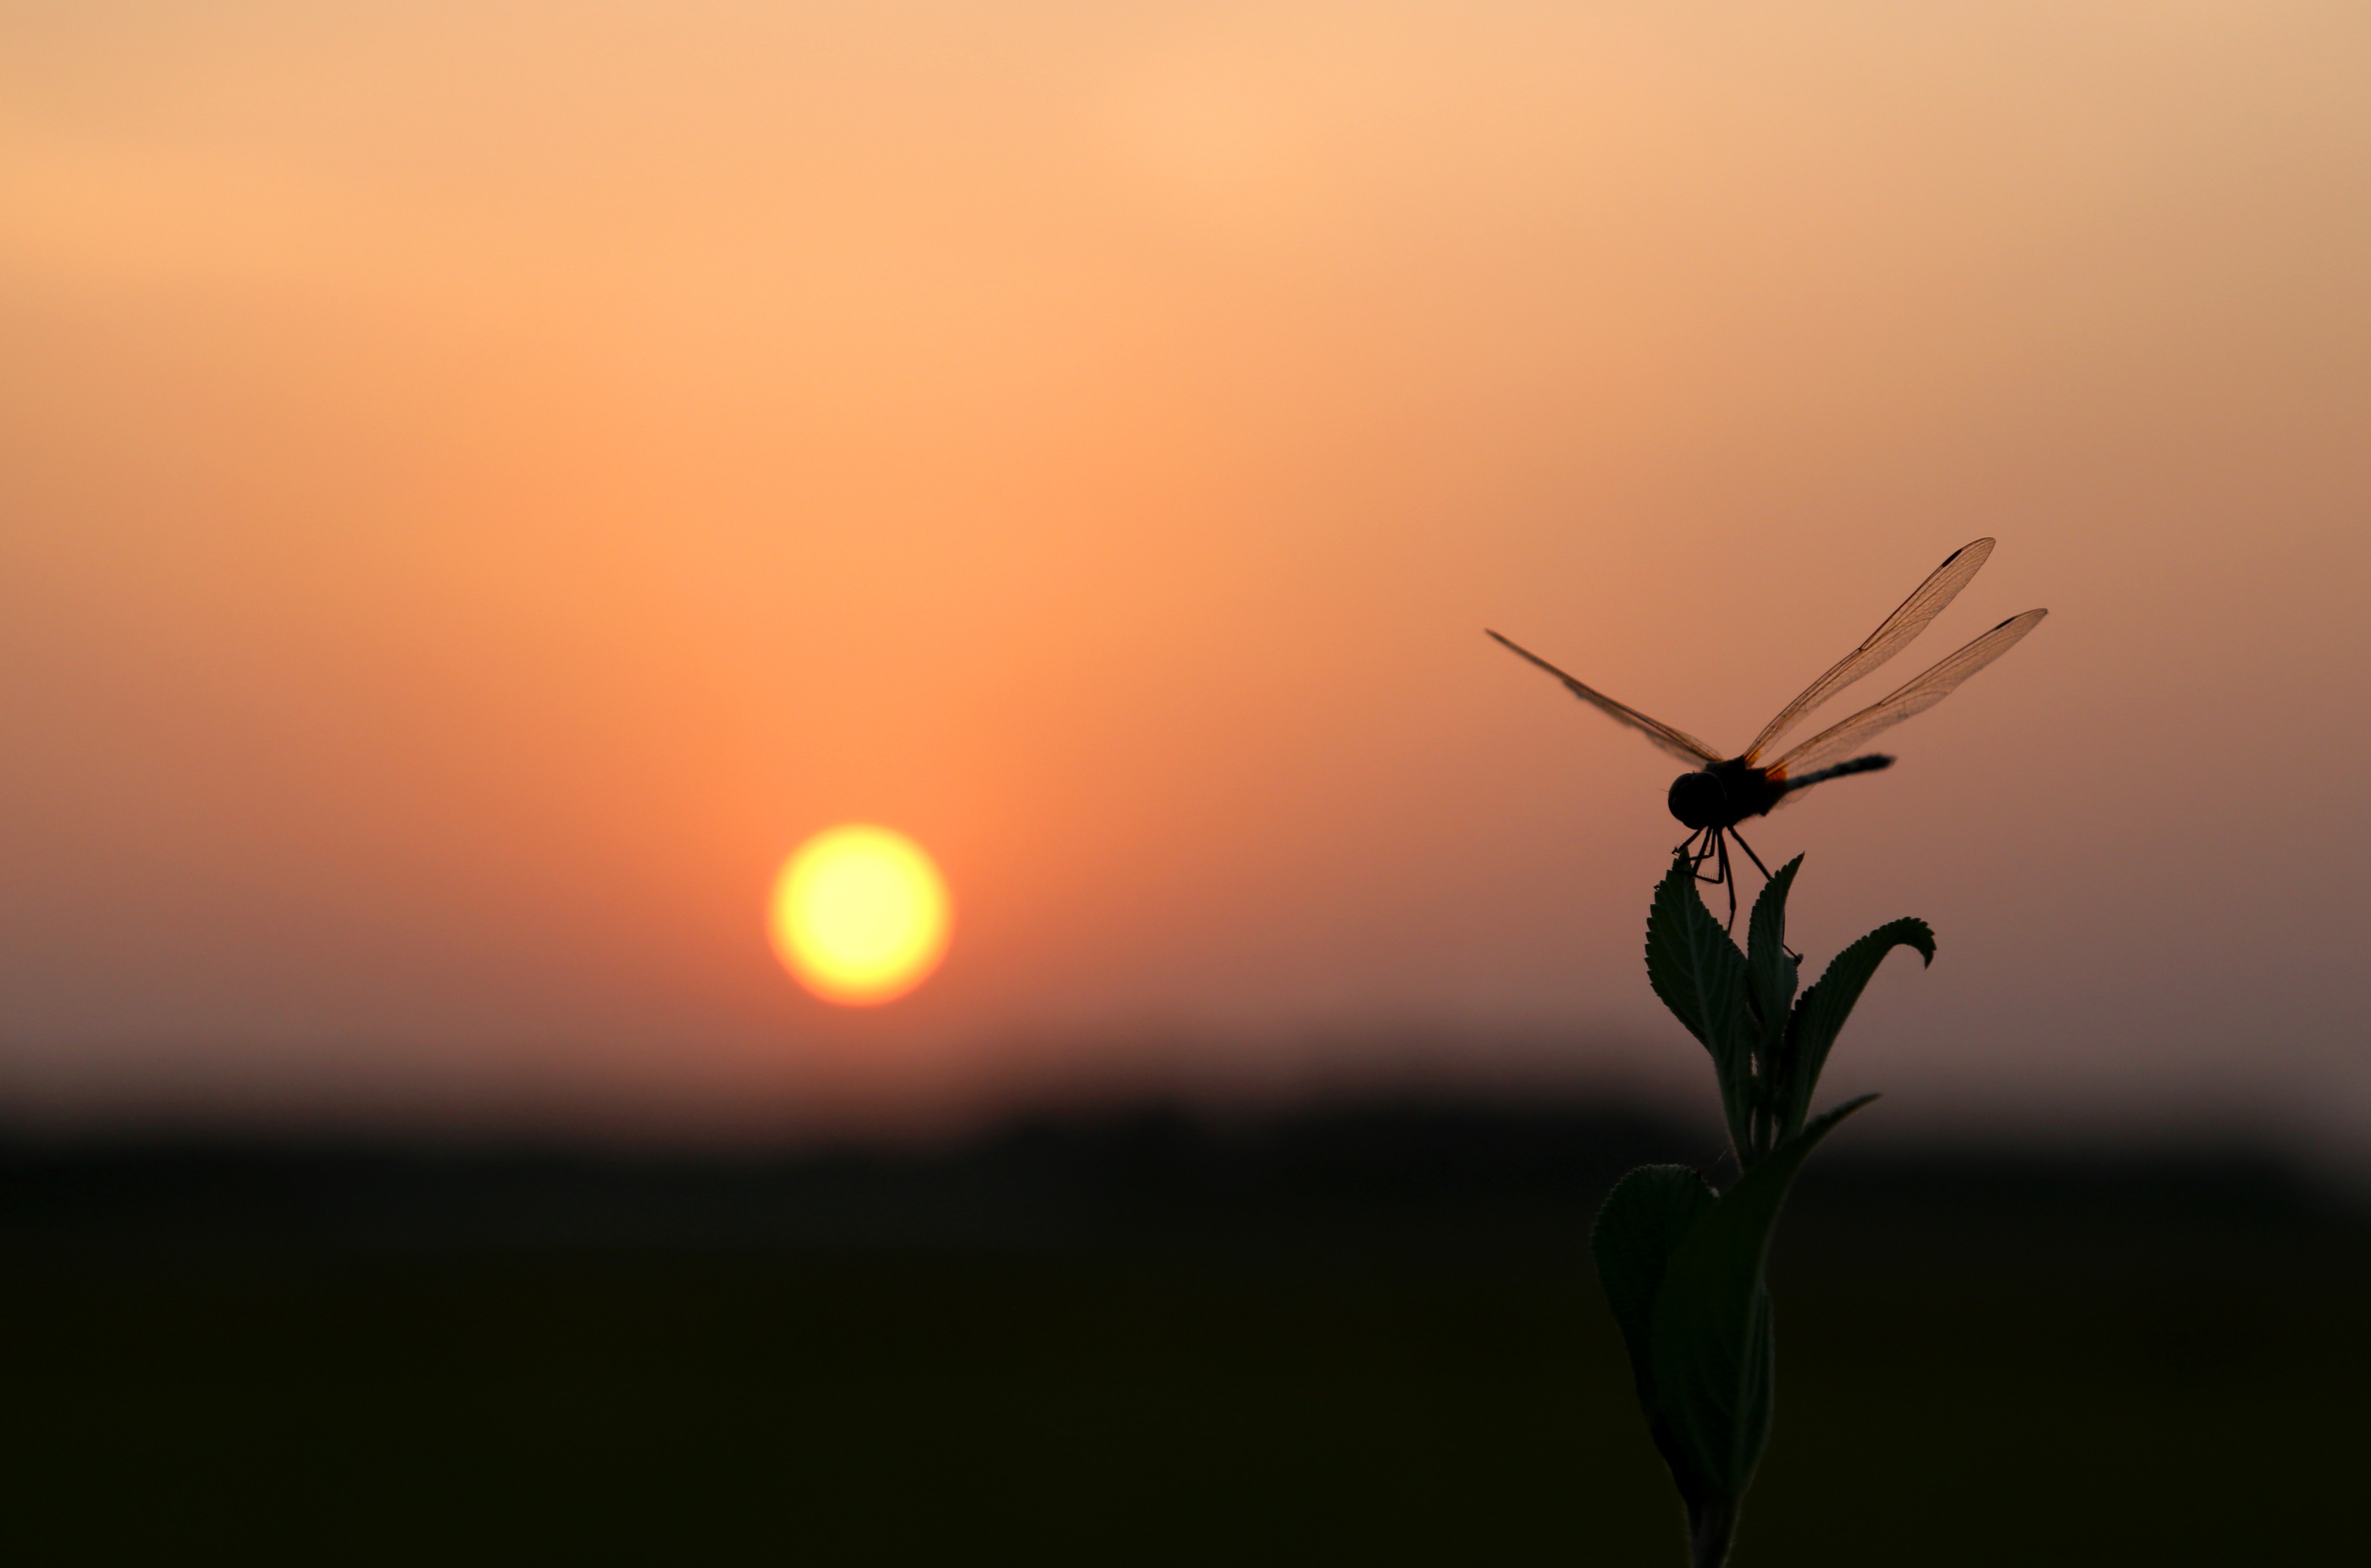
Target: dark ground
1363,1335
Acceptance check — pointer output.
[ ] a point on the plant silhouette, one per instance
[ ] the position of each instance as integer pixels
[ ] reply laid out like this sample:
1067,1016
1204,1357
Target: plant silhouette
1684,1267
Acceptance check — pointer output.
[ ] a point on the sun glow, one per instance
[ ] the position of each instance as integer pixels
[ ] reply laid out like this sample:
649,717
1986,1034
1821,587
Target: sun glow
860,914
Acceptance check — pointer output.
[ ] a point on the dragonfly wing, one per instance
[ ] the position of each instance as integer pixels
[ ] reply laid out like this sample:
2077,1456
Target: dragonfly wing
1678,743
1942,585
1917,698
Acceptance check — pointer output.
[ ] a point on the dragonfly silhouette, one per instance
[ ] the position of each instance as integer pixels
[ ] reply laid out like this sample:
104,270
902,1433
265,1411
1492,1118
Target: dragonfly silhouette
1721,792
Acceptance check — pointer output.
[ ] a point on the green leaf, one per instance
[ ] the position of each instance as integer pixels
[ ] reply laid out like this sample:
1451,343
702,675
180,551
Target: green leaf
1709,1340
1820,1012
1643,1220
1770,976
1700,976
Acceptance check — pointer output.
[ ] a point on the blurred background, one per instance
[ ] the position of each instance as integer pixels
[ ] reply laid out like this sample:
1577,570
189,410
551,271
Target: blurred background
479,484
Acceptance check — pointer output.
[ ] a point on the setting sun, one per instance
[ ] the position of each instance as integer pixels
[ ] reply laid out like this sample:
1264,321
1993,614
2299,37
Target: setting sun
860,914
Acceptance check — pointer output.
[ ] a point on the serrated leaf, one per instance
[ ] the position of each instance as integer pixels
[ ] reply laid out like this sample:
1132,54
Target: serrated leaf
1709,1339
1700,976
1770,976
1820,1014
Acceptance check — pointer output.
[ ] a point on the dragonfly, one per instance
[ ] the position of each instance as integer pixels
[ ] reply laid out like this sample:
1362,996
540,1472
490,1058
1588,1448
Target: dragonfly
1720,792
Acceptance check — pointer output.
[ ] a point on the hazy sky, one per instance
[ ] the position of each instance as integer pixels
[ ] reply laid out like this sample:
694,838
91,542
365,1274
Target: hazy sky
479,483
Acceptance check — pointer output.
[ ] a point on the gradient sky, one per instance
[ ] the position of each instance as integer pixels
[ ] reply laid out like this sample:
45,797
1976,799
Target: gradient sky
479,483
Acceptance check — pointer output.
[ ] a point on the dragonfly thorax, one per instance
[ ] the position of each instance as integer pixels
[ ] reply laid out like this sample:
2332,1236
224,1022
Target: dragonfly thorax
1724,794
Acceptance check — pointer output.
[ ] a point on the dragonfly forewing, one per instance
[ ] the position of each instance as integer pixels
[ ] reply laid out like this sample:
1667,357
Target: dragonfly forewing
1678,743
1920,695
1926,601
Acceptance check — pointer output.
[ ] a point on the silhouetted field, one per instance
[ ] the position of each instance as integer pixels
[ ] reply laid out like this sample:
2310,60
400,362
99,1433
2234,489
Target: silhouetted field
1358,1336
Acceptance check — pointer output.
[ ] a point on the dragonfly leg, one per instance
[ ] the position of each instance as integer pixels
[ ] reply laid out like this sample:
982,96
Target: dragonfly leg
1732,880
1742,844
1709,849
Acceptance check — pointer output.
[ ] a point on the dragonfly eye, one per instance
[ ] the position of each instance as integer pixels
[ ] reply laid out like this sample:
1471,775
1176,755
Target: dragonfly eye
1699,800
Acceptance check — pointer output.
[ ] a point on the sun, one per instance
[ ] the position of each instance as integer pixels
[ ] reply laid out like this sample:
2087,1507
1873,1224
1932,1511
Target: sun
860,914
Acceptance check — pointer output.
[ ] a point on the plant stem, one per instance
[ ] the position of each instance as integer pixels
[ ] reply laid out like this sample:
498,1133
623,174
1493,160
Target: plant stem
1712,1531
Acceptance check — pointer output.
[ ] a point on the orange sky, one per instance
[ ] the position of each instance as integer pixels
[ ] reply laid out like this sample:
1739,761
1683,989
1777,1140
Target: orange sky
478,484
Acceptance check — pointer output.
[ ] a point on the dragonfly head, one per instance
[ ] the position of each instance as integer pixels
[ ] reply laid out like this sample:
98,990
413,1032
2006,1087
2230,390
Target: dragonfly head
1701,800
